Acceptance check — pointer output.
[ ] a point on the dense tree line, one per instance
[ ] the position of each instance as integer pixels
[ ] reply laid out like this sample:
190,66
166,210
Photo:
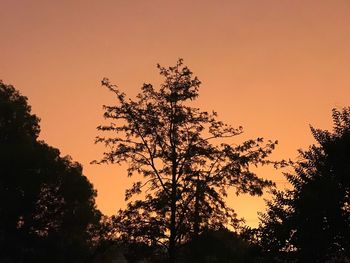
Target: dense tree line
186,161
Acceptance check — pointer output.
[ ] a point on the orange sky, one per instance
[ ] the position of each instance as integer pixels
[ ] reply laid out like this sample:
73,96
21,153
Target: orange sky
273,66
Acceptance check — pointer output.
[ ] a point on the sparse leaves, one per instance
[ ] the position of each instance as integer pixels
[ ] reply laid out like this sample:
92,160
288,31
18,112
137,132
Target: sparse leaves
176,148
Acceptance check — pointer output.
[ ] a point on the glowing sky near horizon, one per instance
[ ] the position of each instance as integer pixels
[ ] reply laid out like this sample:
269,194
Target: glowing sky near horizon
272,66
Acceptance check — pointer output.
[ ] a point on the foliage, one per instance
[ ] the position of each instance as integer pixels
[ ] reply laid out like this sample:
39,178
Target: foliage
221,246
312,220
47,206
186,172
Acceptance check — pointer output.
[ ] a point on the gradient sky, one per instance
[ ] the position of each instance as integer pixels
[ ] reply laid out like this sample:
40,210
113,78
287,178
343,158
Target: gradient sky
272,66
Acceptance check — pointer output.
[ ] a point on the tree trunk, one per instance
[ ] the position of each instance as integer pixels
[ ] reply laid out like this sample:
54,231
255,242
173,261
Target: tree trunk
172,241
173,139
196,211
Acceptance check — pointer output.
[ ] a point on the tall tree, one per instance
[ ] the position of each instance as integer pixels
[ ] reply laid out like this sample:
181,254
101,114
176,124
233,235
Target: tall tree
47,206
186,169
312,220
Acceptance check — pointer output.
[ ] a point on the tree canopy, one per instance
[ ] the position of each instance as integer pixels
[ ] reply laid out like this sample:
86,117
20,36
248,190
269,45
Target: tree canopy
181,154
312,220
47,206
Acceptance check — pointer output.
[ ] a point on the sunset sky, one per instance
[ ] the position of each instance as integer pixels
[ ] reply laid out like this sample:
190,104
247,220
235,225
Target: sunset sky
272,66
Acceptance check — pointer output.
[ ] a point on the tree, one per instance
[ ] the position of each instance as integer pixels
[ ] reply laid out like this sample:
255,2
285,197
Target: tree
185,171
221,246
312,220
47,207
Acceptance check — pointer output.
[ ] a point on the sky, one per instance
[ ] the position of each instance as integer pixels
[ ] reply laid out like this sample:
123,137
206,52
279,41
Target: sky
272,66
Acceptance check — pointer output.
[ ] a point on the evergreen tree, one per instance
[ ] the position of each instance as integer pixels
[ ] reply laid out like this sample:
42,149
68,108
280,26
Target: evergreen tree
311,222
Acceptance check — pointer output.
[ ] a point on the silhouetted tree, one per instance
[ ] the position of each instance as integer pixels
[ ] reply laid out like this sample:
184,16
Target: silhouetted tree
311,222
47,207
221,246
186,172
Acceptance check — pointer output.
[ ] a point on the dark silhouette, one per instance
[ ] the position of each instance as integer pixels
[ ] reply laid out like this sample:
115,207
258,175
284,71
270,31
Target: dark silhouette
47,207
186,171
186,163
311,222
221,246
